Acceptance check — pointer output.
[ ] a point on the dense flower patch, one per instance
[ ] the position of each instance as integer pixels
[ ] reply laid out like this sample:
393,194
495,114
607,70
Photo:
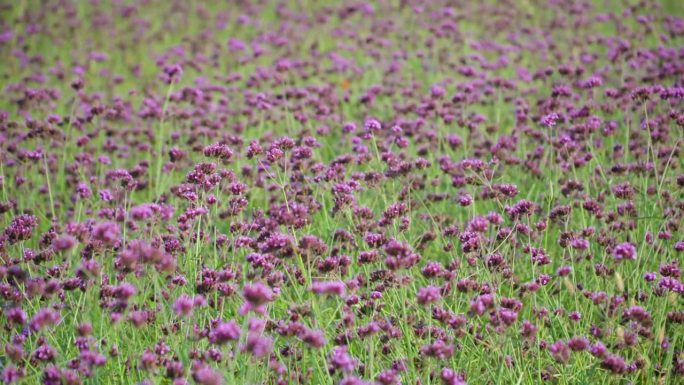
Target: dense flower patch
313,192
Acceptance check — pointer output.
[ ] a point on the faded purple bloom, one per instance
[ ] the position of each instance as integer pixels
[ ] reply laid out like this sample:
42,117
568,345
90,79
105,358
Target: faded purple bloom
258,344
108,233
16,316
560,352
44,317
614,363
428,295
549,120
328,288
449,377
83,191
106,195
224,332
207,376
598,350
256,297
624,251
341,360
313,338
64,243
184,305
372,125
11,374
578,344
439,349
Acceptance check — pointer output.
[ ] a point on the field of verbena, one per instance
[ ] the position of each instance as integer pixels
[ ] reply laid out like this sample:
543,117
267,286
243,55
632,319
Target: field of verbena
323,192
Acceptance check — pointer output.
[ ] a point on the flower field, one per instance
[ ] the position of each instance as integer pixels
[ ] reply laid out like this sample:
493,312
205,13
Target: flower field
342,192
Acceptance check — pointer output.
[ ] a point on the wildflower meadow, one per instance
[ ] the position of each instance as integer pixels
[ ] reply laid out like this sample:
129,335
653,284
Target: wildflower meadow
441,192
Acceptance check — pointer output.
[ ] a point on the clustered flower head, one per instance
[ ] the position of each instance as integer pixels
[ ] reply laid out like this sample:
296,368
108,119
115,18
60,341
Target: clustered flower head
329,288
21,228
256,297
625,251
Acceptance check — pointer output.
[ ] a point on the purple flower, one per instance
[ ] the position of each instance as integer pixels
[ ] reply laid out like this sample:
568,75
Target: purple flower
83,191
639,314
614,363
52,375
124,291
207,376
449,377
328,288
256,297
560,352
598,350
549,120
437,91
563,271
258,345
106,195
12,374
218,150
428,295
108,233
172,73
45,353
439,349
341,360
592,82
313,338
578,344
224,332
624,251
349,127
528,329
465,200
508,316
44,317
679,246
21,228
184,305
64,243
372,125
579,244
144,211
16,316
